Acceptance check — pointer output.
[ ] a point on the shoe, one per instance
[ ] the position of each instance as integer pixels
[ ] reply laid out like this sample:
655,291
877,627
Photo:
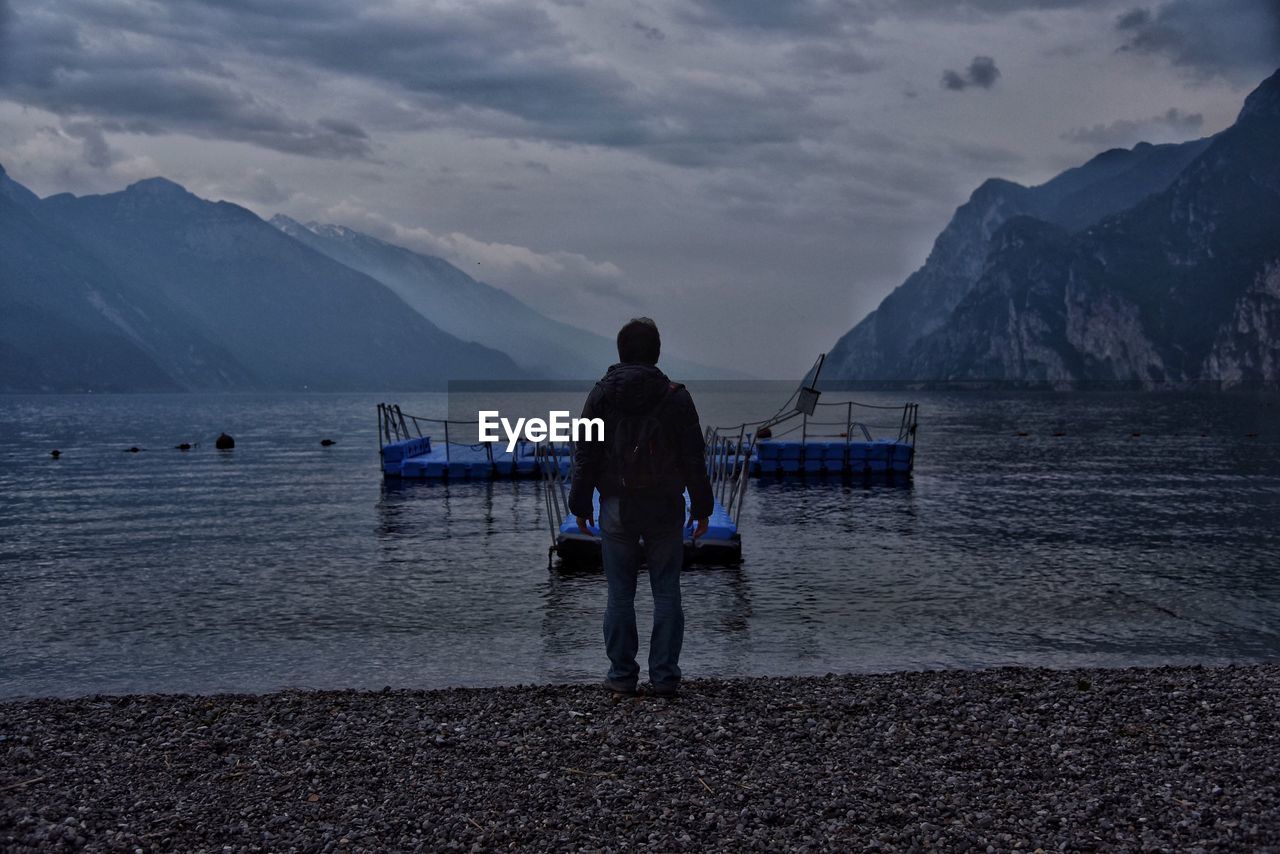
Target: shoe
620,687
666,692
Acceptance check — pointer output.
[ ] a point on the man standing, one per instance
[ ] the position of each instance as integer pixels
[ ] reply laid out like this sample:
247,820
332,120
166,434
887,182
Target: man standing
652,452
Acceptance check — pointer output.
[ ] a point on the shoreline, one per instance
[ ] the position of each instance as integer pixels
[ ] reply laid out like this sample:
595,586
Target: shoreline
1173,757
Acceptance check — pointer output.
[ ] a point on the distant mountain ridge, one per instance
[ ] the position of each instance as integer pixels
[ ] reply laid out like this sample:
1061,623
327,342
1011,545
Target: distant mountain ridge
1161,266
473,310
153,288
459,304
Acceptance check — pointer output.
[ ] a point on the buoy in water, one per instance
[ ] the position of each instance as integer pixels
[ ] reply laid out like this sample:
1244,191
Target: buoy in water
327,442
185,446
1135,434
135,449
55,453
224,442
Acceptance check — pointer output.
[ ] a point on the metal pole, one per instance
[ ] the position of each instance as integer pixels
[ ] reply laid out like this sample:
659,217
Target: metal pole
739,467
725,469
446,441
804,436
848,436
742,487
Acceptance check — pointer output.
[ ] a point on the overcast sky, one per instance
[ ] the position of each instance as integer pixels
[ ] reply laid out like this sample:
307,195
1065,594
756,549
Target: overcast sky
756,176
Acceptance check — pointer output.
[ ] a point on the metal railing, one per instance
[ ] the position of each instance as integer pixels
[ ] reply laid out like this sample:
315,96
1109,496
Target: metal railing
394,425
554,496
729,467
804,427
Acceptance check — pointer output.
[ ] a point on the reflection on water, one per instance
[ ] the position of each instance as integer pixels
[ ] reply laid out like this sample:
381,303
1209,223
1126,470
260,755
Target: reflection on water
283,563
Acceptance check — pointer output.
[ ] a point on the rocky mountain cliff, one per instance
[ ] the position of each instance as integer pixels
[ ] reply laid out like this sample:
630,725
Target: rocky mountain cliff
1156,264
155,288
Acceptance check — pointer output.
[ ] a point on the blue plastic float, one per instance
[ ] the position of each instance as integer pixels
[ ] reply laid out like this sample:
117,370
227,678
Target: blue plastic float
419,459
817,456
720,545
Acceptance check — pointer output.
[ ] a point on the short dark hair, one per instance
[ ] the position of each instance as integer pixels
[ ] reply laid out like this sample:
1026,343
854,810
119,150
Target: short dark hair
639,341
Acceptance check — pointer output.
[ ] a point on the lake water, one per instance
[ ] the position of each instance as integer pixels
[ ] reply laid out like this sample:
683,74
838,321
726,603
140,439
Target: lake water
285,564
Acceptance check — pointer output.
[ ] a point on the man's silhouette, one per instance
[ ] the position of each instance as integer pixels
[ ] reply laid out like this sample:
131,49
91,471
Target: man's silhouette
652,452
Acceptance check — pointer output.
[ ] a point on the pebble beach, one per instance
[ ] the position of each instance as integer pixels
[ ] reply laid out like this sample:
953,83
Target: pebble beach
1006,759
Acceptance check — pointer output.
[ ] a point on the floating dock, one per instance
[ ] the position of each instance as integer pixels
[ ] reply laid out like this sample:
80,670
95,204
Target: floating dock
409,453
721,544
835,439
419,459
806,437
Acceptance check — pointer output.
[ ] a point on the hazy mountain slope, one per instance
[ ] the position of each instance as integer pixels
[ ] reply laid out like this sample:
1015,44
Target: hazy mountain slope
457,303
473,310
876,348
68,324
1184,286
291,315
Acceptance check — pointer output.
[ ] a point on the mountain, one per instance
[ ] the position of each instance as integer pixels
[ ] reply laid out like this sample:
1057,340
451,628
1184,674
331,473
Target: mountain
1183,286
473,310
68,323
213,298
881,346
457,303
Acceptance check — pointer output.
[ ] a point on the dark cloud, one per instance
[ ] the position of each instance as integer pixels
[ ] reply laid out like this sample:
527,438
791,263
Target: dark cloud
649,32
1125,132
1235,39
982,73
504,70
1134,19
509,60
153,88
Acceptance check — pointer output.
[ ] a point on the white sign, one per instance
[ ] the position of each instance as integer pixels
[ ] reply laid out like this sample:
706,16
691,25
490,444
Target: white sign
558,427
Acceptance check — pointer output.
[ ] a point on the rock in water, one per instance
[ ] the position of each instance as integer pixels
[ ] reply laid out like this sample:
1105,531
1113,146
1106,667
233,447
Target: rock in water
224,442
185,446
55,453
327,442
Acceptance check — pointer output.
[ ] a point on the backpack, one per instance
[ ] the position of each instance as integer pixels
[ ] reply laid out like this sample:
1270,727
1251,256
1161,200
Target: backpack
642,448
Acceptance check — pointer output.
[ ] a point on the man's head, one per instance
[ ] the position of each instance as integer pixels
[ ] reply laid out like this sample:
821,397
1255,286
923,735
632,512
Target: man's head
639,341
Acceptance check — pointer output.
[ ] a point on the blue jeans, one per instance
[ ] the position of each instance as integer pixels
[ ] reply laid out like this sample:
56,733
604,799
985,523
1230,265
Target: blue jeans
654,533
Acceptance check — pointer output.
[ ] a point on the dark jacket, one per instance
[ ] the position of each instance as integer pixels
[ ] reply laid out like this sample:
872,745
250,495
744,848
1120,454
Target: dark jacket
630,389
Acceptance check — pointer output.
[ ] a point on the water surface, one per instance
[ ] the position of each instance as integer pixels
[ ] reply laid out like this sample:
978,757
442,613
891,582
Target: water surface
283,563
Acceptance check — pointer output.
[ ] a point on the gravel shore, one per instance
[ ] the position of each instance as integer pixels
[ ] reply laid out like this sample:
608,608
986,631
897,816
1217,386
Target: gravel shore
1167,758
